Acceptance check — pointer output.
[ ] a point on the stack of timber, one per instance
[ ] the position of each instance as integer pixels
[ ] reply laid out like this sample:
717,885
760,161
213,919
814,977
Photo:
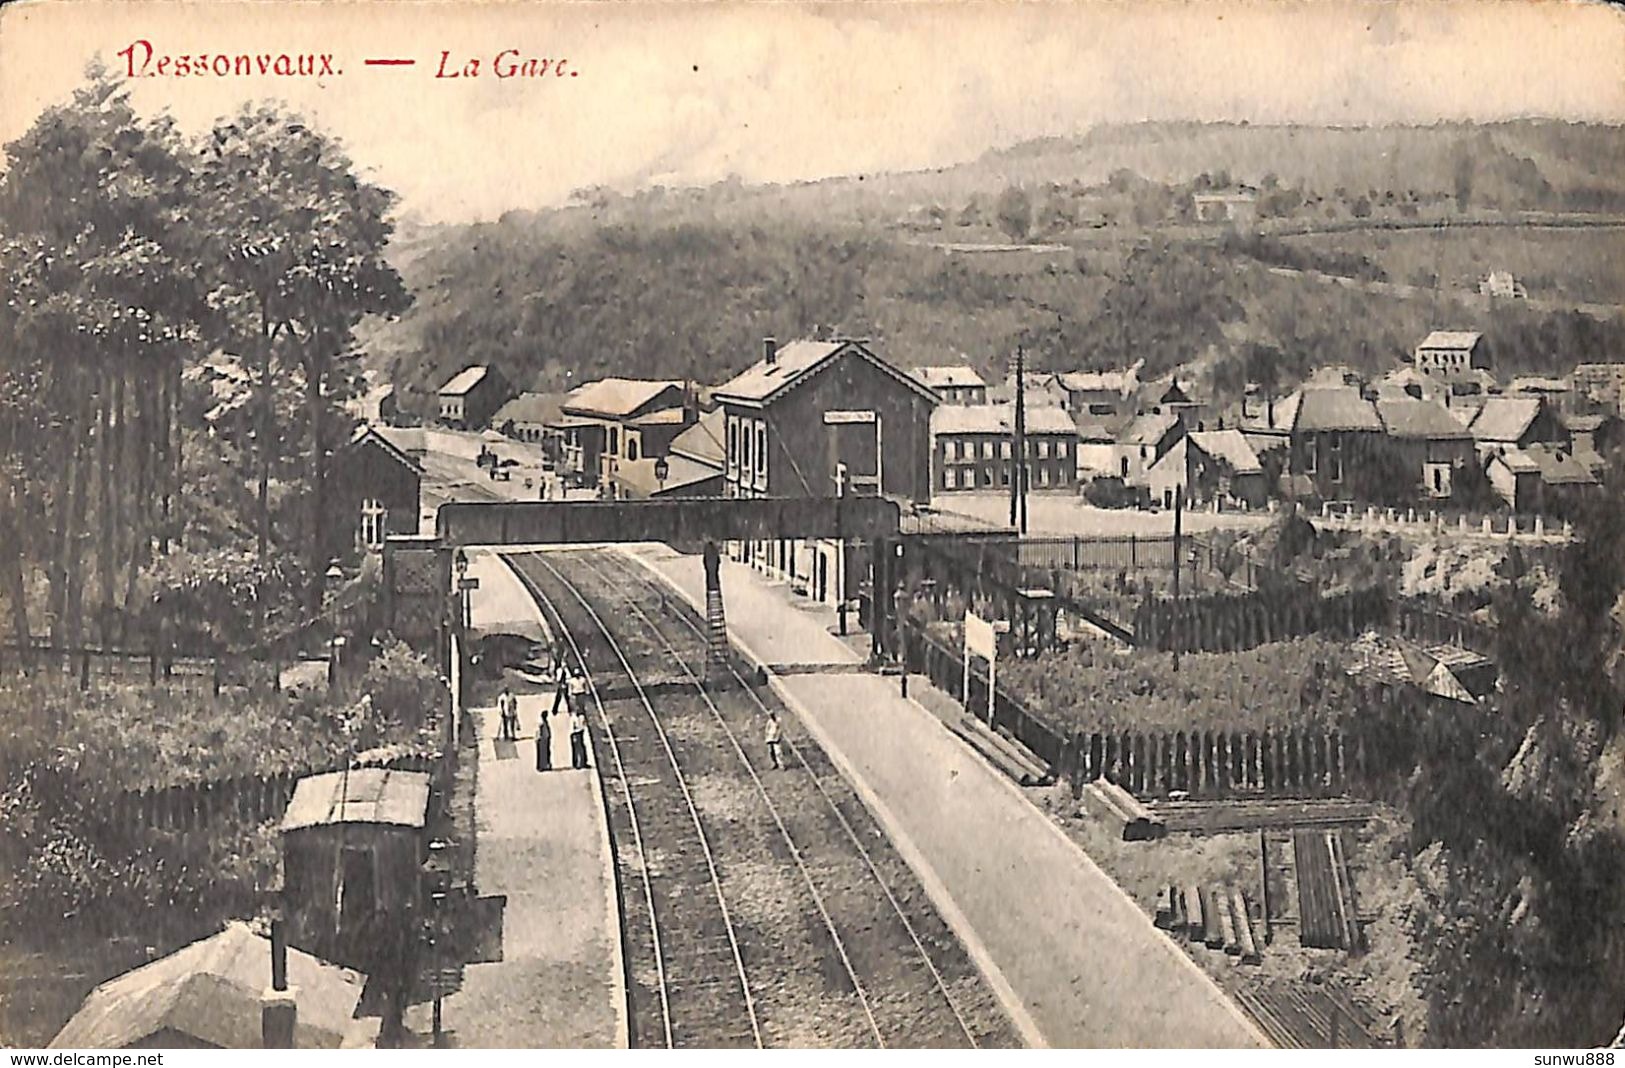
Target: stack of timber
1326,910
1115,806
1218,916
1003,752
1248,814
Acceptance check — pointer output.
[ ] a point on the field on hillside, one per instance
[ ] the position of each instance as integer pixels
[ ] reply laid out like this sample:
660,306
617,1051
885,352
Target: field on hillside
1582,265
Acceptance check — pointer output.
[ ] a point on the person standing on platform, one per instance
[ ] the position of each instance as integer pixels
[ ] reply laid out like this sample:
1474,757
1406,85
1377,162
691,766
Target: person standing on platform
578,736
561,690
544,742
507,730
774,740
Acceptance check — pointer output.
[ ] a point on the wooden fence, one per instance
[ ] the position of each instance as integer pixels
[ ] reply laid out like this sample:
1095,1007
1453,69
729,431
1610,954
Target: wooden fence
1228,622
1218,763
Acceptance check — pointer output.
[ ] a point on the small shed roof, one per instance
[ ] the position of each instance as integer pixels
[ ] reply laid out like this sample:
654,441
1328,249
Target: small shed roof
359,795
210,990
368,433
464,380
703,440
1149,428
1227,445
1559,466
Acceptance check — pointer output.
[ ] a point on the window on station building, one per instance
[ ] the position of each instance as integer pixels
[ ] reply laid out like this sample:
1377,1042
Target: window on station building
374,523
761,448
1043,449
631,448
950,479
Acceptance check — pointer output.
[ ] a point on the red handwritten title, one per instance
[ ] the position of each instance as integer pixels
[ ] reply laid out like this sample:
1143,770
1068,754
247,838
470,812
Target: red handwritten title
143,60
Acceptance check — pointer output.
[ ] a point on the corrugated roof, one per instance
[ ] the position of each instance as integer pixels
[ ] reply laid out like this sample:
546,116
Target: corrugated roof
210,990
616,396
359,795
956,375
998,419
464,380
1505,418
1335,408
1409,418
1451,339
1229,446
540,408
797,361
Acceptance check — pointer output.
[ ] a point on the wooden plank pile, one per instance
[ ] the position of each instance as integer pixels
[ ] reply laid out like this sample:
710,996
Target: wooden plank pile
1219,916
1115,806
1003,752
1326,909
1247,814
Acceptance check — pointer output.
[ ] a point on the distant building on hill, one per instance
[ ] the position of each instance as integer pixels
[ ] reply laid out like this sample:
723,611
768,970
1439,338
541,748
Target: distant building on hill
1235,208
471,396
1502,285
1448,355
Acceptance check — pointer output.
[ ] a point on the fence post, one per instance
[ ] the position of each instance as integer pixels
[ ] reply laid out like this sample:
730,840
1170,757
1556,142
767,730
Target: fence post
217,676
84,669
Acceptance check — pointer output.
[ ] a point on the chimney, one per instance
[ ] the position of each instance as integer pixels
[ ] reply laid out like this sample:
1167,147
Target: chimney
279,1012
770,351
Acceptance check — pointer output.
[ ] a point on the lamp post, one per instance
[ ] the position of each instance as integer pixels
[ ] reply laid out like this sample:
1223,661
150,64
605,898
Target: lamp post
335,643
662,471
460,564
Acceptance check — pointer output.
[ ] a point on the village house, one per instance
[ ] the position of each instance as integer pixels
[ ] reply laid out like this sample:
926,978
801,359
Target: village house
373,489
1043,389
614,420
1594,436
1208,465
1558,393
1447,355
692,466
1332,433
804,417
1096,447
375,404
972,447
1520,421
1102,394
955,384
1432,443
471,396
527,416
1143,442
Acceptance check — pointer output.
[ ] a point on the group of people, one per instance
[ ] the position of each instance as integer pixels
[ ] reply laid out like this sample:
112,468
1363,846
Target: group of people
571,695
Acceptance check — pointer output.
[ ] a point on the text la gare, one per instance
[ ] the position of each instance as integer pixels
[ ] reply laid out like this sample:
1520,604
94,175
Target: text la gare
509,63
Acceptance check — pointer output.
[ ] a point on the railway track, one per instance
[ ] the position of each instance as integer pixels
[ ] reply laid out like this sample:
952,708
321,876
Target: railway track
838,943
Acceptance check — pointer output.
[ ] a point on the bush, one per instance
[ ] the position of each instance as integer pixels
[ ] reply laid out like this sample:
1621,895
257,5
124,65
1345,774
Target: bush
1109,491
400,690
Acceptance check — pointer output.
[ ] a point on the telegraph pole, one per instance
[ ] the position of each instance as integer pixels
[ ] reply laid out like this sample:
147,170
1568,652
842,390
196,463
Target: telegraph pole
1179,508
1018,449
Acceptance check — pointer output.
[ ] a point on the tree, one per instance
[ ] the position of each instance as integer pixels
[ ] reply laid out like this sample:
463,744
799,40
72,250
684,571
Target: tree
1014,211
302,239
104,281
1462,175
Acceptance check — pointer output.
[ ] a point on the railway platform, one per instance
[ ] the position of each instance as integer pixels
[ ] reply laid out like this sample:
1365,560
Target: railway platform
1074,960
541,841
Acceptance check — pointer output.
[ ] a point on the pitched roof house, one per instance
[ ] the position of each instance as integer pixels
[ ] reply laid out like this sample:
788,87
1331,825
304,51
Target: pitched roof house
207,995
954,383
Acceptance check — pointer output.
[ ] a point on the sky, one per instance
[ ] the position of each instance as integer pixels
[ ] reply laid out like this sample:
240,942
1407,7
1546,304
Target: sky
690,93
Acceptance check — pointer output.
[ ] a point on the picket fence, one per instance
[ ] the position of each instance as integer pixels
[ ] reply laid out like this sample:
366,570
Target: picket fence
1228,622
